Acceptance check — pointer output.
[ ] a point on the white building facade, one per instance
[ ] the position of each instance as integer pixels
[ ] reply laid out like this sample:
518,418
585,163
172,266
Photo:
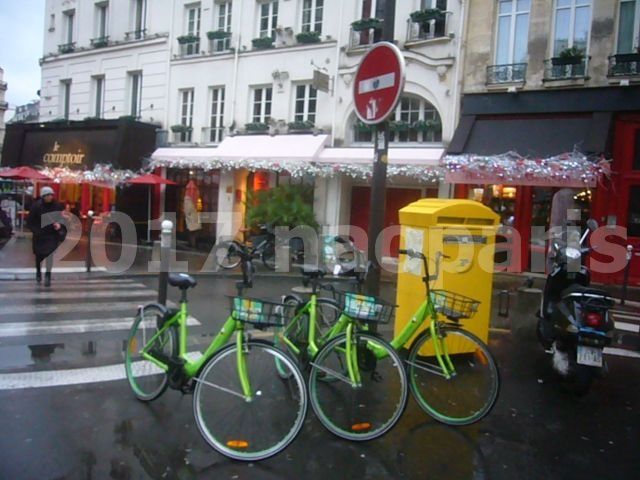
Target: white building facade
3,106
214,70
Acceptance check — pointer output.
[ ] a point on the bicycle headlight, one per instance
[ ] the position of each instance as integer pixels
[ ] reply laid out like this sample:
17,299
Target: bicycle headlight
572,253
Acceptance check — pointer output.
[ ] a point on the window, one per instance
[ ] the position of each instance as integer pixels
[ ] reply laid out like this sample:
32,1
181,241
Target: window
65,93
268,19
373,8
216,128
262,104
139,18
224,24
414,120
513,31
193,28
69,18
434,28
52,22
628,26
135,85
186,113
312,15
572,25
306,100
98,96
101,19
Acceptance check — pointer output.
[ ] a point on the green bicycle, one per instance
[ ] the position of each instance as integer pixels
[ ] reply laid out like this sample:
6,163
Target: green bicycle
355,395
239,409
451,373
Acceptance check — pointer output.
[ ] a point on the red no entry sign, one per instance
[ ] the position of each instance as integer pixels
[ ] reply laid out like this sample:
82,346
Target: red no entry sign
379,82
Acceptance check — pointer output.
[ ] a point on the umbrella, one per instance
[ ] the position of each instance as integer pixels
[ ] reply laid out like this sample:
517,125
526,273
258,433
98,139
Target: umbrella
150,179
23,173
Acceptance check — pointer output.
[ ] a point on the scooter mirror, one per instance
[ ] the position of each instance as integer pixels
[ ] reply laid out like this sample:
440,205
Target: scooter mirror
592,224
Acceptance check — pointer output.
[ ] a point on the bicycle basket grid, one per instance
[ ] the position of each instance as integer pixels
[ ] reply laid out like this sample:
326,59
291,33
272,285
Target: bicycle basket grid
453,305
364,307
260,313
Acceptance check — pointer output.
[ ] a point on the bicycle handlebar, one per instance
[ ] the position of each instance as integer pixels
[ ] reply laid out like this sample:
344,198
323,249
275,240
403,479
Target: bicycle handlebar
414,254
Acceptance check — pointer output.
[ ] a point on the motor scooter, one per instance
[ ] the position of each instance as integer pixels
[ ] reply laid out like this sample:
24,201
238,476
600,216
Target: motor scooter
574,322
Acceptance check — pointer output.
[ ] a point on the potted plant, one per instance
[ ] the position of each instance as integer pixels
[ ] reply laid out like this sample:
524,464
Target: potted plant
218,35
189,38
262,43
569,56
308,37
181,128
282,206
398,126
256,127
363,127
100,42
67,48
423,17
366,24
301,125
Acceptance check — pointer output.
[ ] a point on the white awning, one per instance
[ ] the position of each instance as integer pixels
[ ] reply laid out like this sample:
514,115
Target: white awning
428,157
196,156
277,148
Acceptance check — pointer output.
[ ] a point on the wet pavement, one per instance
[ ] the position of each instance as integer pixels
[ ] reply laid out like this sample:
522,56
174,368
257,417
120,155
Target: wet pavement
68,412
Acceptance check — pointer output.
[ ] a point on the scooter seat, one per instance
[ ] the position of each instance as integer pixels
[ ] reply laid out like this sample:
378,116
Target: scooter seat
586,291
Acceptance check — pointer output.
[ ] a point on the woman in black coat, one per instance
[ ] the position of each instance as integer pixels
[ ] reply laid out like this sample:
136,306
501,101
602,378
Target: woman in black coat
46,239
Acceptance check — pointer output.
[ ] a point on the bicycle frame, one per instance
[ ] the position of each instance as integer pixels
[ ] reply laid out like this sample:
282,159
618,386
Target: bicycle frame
192,367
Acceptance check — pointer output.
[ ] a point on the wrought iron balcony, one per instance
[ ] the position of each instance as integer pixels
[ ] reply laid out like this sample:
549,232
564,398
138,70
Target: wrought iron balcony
212,135
362,35
569,68
507,73
136,34
100,42
67,47
428,30
624,65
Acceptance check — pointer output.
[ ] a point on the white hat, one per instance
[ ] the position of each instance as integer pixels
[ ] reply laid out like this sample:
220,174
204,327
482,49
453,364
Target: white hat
46,191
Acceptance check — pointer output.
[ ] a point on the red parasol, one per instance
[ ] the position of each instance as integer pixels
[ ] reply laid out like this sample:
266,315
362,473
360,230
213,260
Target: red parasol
24,173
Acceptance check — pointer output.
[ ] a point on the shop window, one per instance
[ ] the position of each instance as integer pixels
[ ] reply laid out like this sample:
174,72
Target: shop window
312,15
572,25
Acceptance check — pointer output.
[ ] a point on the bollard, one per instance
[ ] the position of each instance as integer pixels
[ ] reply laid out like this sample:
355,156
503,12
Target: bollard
627,268
504,303
88,259
165,257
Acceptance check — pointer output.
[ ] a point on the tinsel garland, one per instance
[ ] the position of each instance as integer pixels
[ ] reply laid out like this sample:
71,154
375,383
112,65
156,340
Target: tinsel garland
572,167
101,173
423,174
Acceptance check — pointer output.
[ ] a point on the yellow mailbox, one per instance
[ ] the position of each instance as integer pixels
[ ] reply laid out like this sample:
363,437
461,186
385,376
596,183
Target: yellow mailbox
462,230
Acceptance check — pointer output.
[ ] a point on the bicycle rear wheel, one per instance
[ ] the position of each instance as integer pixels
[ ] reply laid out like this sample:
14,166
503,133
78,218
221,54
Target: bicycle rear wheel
227,255
470,393
252,428
147,380
369,409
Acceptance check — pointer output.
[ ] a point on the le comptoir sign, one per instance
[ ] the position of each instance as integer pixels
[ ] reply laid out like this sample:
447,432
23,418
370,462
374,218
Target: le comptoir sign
62,159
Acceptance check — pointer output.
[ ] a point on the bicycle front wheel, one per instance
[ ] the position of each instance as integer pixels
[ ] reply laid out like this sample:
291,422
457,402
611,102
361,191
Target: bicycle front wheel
362,410
227,255
250,427
147,380
465,395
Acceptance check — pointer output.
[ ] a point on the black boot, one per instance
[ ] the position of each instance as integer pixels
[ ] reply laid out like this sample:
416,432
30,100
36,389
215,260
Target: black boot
47,279
38,276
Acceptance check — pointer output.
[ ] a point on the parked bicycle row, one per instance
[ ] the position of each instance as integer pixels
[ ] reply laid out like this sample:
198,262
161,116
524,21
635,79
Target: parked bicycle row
250,396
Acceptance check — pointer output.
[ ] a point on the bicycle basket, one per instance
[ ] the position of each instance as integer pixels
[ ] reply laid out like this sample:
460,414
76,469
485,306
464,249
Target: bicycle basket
364,307
453,305
260,313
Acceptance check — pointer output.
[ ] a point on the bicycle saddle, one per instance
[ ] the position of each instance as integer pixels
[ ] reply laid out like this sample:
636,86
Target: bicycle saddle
313,271
182,280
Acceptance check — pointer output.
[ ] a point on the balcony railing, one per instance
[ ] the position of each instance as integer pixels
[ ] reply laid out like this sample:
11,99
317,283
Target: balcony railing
571,68
67,47
189,49
212,135
624,65
429,30
100,42
362,37
182,137
507,73
220,45
136,34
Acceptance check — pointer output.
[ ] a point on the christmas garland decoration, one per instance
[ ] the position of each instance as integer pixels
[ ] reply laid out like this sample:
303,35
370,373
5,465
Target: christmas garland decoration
101,173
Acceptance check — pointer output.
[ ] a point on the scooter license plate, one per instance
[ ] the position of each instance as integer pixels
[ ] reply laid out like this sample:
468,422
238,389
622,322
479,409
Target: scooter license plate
591,356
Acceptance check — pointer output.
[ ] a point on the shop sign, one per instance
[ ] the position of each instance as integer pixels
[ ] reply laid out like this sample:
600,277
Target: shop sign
62,159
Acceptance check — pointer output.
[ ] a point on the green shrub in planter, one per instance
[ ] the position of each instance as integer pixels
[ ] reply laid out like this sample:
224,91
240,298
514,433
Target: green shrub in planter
181,128
308,37
218,35
301,125
184,39
282,206
424,16
569,56
399,126
262,43
128,118
364,127
256,127
366,24
427,125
